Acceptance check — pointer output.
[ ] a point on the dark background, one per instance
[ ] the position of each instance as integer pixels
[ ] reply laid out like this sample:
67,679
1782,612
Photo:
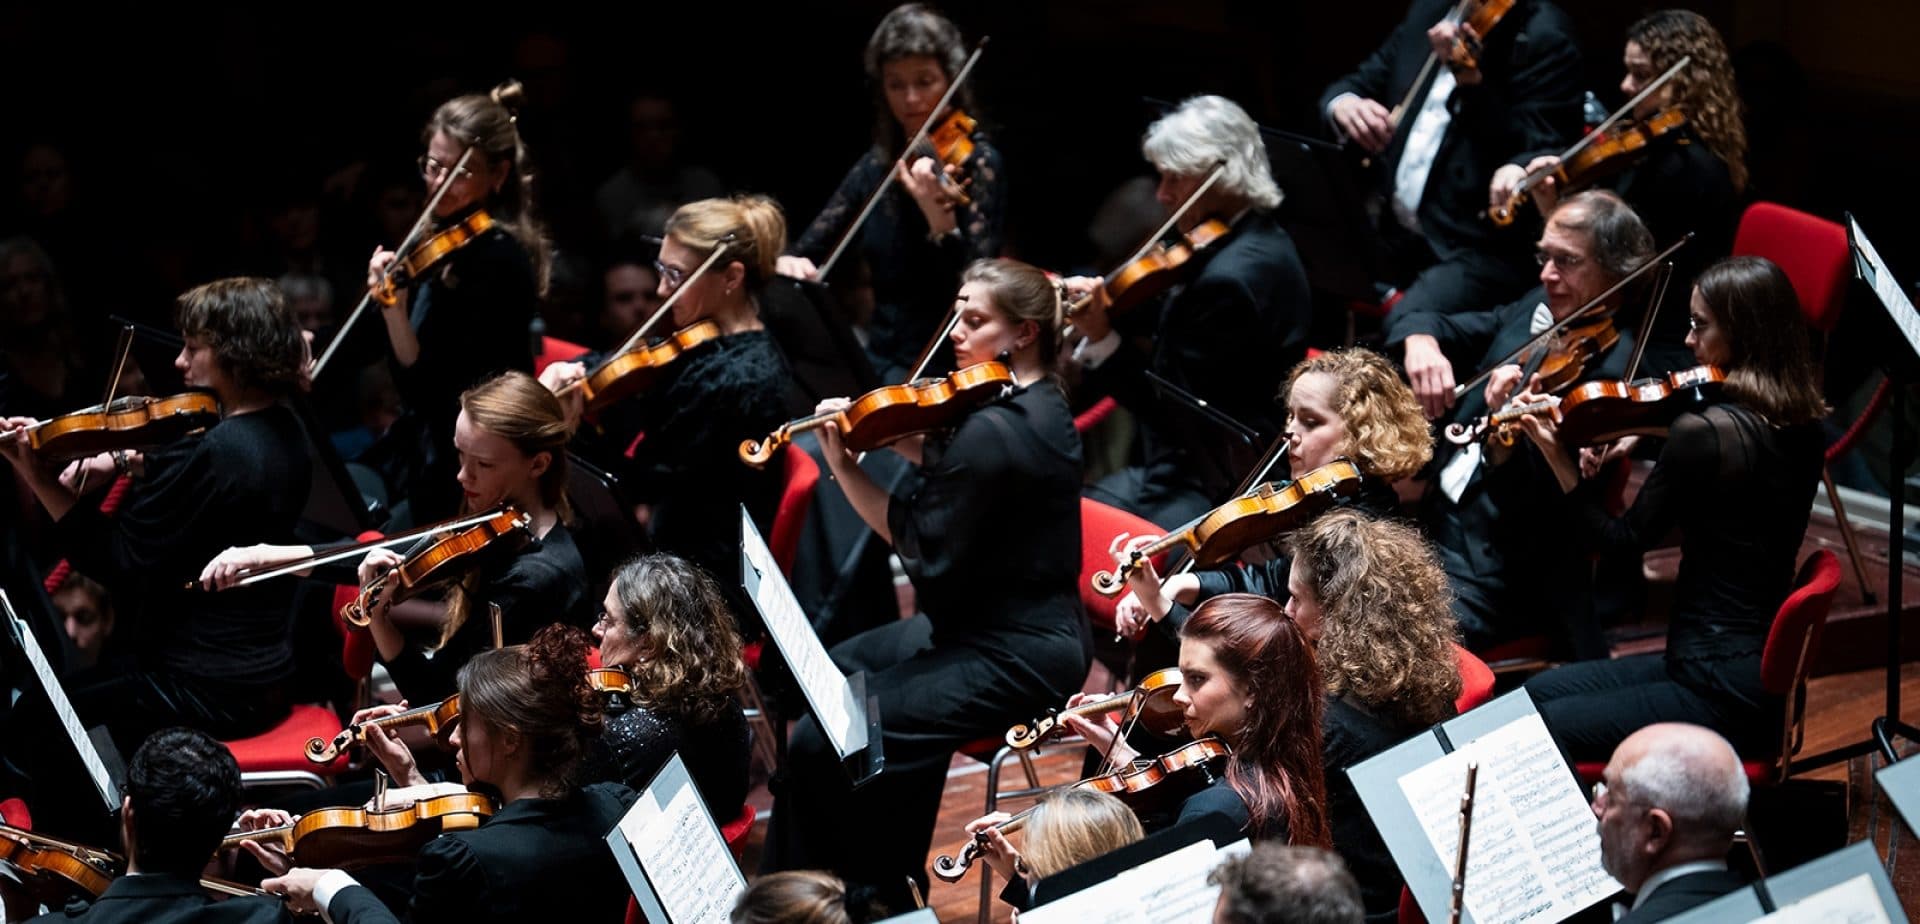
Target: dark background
185,130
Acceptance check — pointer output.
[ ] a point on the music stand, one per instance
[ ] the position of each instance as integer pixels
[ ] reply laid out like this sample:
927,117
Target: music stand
1870,269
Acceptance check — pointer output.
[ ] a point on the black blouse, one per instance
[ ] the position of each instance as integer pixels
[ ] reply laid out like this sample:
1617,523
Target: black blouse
1376,499
1351,732
543,583
244,481
637,741
913,278
1680,187
1740,491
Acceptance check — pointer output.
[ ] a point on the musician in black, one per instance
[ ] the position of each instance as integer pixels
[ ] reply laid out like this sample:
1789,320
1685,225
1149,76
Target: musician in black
1225,337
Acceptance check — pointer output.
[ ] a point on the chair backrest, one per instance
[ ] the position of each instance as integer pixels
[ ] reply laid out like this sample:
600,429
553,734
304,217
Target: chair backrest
1792,644
1099,523
1811,250
1476,680
798,476
555,350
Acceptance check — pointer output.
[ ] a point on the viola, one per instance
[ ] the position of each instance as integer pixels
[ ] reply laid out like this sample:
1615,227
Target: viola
636,370
436,561
55,871
423,257
1604,411
1558,362
1147,785
1481,16
949,143
894,412
1226,530
1151,703
1160,267
132,422
1611,152
351,837
437,717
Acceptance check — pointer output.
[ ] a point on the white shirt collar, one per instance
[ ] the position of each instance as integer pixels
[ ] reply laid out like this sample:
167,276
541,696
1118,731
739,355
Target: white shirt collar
1671,873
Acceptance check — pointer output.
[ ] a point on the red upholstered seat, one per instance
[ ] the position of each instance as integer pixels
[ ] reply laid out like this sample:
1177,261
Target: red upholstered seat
555,350
1812,252
1099,523
798,476
1476,680
283,748
1092,416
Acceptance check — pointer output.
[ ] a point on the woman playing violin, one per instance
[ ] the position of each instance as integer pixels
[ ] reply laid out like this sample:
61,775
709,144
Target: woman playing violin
988,530
1345,405
528,717
1225,337
511,437
919,237
1689,179
466,318
216,664
1066,828
1250,678
1738,480
736,386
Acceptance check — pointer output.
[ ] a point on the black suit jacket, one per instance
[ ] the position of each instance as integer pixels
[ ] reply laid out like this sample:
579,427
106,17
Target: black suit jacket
1229,337
536,860
1683,894
1529,99
158,898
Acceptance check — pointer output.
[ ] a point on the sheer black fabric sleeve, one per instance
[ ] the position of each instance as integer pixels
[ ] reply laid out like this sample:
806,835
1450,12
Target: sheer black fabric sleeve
1688,461
837,215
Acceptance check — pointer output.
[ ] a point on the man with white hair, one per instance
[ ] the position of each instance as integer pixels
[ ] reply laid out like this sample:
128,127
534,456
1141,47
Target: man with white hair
1668,806
1226,336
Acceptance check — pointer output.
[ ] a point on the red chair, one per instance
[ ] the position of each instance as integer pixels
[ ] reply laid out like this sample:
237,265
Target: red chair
555,350
1813,252
1785,662
1476,680
278,757
799,476
1099,524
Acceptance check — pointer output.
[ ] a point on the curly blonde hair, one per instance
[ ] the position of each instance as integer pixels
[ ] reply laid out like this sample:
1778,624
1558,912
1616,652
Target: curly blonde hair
1386,626
695,668
1705,90
1387,435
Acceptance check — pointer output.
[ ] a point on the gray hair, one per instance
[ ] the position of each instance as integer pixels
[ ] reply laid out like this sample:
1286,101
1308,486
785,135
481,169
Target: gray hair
1695,776
1204,130
1621,242
1280,882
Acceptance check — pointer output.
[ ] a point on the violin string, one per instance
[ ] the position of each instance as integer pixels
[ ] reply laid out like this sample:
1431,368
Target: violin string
122,351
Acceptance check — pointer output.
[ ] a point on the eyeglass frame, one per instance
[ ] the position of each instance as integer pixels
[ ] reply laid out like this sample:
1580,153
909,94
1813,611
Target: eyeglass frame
432,169
673,276
1566,262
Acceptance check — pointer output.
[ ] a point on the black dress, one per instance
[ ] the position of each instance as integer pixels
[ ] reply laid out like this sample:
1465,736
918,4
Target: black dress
1507,581
687,461
472,314
913,278
535,860
1740,491
637,741
1227,337
988,530
1351,732
542,583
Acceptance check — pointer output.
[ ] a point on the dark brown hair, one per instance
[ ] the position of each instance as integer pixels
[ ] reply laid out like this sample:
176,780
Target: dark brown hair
911,30
1705,88
246,322
1771,369
539,692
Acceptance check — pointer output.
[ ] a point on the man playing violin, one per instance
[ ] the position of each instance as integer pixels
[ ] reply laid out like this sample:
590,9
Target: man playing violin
213,663
1494,513
1521,92
1686,179
1227,337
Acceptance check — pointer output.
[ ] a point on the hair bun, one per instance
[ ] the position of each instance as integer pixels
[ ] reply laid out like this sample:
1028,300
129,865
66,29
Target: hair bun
511,95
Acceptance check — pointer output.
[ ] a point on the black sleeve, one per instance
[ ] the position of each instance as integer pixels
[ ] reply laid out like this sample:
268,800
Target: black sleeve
1220,800
1463,335
1268,579
1540,99
1374,79
449,885
983,220
827,228
358,905
938,525
1687,463
527,597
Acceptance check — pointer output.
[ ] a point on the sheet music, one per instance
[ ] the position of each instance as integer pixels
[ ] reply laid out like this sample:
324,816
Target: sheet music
826,689
681,853
57,695
1534,855
1854,901
1886,287
1172,889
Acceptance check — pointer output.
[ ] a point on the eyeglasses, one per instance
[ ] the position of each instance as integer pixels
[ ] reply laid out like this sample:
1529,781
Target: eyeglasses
1696,322
432,169
673,275
1566,261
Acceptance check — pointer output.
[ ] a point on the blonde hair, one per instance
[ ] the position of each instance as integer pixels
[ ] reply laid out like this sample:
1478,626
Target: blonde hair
1386,623
1387,435
1073,826
756,225
489,123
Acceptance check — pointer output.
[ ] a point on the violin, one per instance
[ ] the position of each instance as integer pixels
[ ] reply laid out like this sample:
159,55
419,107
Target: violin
1146,785
893,412
1559,363
1271,510
636,370
437,717
56,871
351,837
423,256
1151,703
1605,153
949,143
1164,264
1601,412
437,561
1481,16
132,422
612,681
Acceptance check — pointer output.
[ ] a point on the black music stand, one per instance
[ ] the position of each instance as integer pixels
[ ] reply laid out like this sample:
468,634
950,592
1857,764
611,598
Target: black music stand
1899,366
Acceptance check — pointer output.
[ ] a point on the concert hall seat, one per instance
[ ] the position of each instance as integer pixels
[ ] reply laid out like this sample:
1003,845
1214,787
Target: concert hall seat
555,350
277,757
1476,680
799,474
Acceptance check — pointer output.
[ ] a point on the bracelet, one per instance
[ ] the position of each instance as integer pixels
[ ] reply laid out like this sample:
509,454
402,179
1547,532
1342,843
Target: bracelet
120,463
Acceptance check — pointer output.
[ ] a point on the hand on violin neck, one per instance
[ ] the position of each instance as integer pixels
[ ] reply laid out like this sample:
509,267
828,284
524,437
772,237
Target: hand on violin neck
1090,294
386,748
1501,384
924,179
994,846
1544,430
1505,181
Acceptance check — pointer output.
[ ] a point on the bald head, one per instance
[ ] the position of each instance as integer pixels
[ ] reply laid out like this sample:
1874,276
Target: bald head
1675,793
